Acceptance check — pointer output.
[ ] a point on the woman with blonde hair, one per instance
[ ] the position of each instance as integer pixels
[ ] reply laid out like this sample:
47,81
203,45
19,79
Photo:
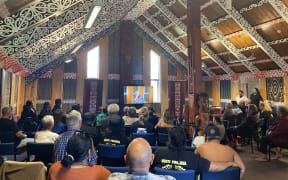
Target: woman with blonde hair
143,125
265,116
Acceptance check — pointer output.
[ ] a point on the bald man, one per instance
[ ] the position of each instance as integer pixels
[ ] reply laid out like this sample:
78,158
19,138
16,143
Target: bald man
138,158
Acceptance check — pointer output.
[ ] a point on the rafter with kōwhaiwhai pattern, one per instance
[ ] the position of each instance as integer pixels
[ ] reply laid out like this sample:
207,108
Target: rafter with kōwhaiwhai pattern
183,27
280,7
243,23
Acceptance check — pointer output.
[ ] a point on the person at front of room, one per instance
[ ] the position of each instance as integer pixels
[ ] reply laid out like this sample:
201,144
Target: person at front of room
74,164
202,119
213,151
9,131
176,158
255,97
241,97
138,98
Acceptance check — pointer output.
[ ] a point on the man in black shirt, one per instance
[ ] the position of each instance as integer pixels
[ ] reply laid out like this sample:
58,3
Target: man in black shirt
176,158
9,131
115,134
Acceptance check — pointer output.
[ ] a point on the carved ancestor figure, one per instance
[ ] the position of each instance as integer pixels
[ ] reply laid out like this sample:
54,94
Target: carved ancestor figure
202,119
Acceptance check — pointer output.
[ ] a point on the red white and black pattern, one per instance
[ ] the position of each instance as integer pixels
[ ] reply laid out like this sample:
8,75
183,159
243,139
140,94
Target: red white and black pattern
47,75
113,76
70,75
138,77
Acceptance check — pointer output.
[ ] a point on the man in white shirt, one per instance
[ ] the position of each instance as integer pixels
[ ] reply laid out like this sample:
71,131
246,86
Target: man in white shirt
241,97
46,136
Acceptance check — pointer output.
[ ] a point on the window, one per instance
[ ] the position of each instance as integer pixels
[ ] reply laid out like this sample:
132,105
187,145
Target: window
155,75
93,63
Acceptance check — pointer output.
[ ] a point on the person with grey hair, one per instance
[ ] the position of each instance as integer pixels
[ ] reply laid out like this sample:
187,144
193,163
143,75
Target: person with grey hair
113,112
46,136
73,122
139,158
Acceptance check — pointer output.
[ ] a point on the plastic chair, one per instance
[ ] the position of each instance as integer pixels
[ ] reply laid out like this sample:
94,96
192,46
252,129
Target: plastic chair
7,149
162,139
42,151
179,175
117,169
112,155
227,174
149,137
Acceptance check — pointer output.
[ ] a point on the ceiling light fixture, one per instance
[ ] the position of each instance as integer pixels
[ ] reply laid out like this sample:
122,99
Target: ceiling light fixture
76,49
242,60
68,61
94,13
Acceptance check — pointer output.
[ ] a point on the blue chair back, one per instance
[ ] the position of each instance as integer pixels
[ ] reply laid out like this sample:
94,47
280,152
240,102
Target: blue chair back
149,137
109,151
112,155
155,148
162,139
179,175
42,151
117,169
7,149
227,174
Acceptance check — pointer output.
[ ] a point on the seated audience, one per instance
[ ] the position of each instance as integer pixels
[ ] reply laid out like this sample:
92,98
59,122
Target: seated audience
74,164
125,112
58,105
59,127
213,151
113,110
249,126
76,107
132,116
176,158
228,114
167,121
219,124
115,133
88,124
28,121
265,117
73,123
138,158
152,117
9,131
46,136
243,108
46,110
278,135
143,125
103,115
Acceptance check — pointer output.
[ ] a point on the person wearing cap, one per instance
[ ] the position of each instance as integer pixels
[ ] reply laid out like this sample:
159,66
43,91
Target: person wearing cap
213,151
175,157
114,135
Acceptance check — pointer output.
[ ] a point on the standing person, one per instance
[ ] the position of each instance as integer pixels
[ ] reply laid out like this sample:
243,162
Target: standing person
58,105
74,164
255,97
241,97
46,110
139,158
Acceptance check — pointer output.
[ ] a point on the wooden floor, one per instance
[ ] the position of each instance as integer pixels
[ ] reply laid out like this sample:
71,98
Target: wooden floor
275,169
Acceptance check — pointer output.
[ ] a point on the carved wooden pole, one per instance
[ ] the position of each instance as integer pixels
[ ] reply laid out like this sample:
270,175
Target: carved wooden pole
194,56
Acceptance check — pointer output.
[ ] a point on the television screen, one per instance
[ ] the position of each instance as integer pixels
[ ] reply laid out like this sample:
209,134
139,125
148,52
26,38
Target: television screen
138,94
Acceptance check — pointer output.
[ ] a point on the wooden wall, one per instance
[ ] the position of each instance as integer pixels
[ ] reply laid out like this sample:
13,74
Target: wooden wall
216,93
57,84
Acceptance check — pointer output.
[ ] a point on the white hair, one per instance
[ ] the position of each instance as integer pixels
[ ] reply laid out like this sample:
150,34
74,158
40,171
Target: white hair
73,118
113,109
47,122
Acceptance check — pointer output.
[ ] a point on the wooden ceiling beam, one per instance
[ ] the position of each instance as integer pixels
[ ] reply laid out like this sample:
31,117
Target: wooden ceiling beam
183,27
280,7
220,36
167,48
243,23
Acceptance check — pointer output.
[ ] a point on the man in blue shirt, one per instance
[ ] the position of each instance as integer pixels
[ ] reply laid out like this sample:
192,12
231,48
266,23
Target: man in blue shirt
138,99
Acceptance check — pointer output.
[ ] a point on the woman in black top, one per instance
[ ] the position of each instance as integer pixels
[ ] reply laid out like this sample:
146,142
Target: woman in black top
46,110
255,97
28,121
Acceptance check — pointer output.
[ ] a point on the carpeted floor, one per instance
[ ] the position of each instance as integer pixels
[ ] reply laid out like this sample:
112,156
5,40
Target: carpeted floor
275,169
